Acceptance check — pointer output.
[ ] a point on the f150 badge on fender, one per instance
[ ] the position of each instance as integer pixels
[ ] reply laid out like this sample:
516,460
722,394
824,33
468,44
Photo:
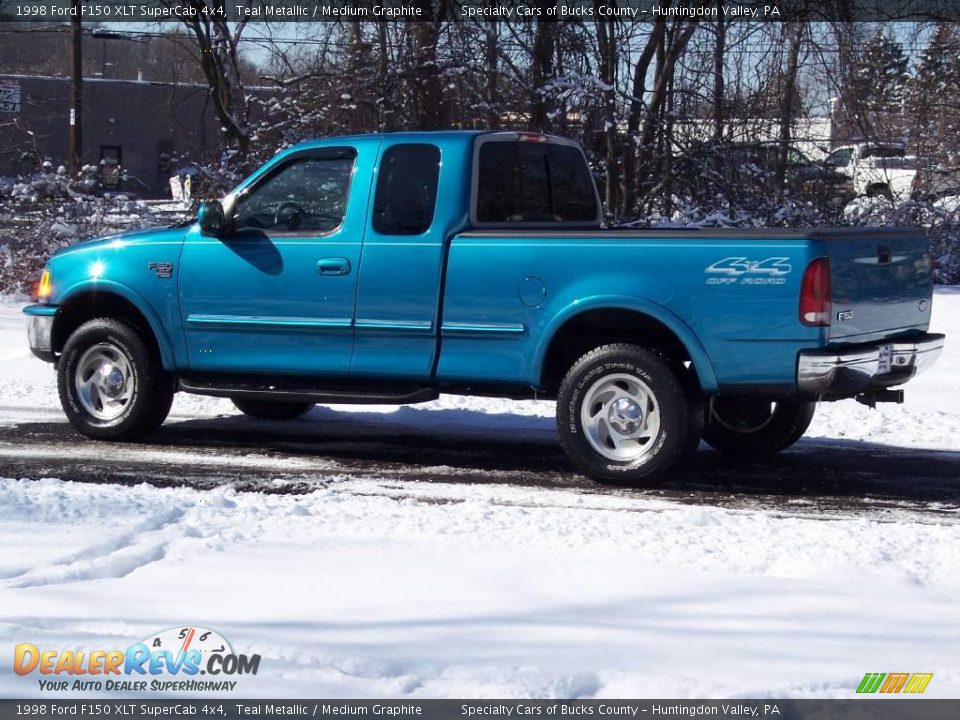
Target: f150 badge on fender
740,270
162,269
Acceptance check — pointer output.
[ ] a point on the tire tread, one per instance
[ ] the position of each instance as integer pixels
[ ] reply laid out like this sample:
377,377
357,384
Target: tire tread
675,385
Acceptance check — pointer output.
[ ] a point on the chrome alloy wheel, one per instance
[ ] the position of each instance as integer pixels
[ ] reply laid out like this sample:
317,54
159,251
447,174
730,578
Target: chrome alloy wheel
104,381
620,417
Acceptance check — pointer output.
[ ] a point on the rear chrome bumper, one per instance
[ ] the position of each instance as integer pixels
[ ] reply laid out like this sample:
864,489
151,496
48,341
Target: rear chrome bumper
850,370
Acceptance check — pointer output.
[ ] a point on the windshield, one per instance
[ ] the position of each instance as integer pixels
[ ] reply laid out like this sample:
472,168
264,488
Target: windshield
839,158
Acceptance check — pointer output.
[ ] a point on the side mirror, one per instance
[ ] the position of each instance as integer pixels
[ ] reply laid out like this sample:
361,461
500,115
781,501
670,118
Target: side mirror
212,219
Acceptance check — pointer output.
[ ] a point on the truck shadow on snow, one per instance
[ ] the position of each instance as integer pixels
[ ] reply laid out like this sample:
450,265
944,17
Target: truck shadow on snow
462,445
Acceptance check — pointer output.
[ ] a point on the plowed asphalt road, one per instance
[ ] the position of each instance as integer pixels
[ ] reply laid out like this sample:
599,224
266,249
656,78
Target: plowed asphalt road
815,476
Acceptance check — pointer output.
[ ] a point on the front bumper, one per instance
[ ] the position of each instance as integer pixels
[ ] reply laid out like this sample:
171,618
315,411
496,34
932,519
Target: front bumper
862,367
40,330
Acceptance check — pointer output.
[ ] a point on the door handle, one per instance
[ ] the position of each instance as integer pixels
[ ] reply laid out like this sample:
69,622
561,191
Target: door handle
333,266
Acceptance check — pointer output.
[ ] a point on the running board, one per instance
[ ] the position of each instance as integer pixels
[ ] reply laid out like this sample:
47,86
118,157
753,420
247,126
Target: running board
326,395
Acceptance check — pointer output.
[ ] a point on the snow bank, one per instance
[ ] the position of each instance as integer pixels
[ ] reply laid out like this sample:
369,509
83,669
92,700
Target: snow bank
375,587
370,588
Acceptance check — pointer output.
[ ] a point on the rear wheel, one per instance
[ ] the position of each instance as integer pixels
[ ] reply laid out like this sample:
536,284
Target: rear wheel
750,427
625,416
880,190
272,409
111,386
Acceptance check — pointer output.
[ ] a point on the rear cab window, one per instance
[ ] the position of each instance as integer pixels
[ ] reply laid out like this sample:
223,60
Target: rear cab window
532,183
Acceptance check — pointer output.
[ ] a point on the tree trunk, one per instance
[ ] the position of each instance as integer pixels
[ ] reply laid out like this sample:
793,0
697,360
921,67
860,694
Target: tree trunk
671,51
385,111
606,44
719,56
794,34
491,52
654,41
432,111
544,40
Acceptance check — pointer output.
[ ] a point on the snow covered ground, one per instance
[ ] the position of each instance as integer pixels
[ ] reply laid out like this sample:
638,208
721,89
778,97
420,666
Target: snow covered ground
374,586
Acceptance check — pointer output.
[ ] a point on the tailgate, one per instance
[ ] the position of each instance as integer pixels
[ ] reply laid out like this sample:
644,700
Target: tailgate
880,281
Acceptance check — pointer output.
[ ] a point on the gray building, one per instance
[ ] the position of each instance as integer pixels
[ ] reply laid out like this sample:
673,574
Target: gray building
149,129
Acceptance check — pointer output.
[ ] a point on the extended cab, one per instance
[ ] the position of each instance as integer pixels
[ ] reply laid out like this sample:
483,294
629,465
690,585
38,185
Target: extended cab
390,268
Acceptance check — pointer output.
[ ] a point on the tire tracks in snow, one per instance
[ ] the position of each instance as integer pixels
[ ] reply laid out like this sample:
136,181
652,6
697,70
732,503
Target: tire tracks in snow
143,543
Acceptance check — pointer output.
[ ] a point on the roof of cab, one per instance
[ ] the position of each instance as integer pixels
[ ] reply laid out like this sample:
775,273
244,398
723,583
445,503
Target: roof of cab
438,136
405,136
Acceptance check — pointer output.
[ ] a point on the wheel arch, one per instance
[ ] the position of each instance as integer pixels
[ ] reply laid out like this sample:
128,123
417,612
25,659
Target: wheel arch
110,300
879,189
588,324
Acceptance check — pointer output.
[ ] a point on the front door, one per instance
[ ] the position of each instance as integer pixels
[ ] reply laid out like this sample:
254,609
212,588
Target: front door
277,294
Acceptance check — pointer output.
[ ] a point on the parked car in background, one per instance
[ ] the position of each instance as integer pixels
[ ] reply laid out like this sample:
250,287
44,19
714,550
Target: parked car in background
874,169
751,168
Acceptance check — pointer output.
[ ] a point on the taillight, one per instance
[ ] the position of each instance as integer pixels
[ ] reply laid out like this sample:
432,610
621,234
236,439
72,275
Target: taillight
532,137
815,304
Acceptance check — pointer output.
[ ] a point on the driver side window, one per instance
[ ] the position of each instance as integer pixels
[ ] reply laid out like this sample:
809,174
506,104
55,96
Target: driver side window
307,195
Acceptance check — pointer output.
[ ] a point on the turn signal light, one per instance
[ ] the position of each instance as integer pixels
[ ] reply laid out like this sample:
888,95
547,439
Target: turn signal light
45,286
815,303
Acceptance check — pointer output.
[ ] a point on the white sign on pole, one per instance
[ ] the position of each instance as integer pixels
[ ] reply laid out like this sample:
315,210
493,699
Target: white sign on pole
9,95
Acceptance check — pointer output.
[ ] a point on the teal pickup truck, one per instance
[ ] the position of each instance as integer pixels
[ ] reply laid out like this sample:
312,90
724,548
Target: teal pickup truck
390,268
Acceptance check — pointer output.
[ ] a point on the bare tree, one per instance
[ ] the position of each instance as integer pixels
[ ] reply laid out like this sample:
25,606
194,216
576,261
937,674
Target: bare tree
218,43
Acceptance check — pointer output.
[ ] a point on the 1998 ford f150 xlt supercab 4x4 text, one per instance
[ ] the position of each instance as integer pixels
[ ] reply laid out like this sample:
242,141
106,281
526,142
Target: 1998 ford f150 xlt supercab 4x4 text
390,268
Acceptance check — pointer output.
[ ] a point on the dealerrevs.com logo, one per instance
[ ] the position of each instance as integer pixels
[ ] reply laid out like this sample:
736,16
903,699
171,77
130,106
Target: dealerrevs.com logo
169,661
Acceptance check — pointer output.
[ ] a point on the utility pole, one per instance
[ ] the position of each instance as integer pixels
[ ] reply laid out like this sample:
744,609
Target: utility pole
75,140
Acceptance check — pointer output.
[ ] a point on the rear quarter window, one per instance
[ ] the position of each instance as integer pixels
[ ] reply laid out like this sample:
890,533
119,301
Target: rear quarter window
533,182
406,194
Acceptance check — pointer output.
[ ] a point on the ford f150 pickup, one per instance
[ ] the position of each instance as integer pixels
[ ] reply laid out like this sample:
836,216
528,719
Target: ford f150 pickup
390,268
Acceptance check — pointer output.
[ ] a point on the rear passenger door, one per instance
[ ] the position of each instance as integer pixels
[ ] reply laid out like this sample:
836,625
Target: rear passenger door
401,267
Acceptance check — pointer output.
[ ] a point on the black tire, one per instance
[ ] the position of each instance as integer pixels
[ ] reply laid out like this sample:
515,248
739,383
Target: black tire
272,409
680,415
748,427
151,390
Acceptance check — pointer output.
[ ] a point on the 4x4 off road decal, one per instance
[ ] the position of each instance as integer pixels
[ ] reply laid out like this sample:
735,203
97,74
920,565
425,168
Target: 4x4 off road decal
745,271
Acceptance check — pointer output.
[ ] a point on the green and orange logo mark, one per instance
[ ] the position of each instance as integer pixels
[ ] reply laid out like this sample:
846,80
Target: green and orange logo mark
913,683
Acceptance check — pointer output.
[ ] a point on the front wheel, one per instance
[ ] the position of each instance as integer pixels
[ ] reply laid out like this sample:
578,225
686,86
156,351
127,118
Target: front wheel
111,386
749,427
624,415
272,409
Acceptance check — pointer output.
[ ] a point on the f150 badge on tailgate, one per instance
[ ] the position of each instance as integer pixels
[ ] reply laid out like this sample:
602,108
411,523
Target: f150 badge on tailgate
742,271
